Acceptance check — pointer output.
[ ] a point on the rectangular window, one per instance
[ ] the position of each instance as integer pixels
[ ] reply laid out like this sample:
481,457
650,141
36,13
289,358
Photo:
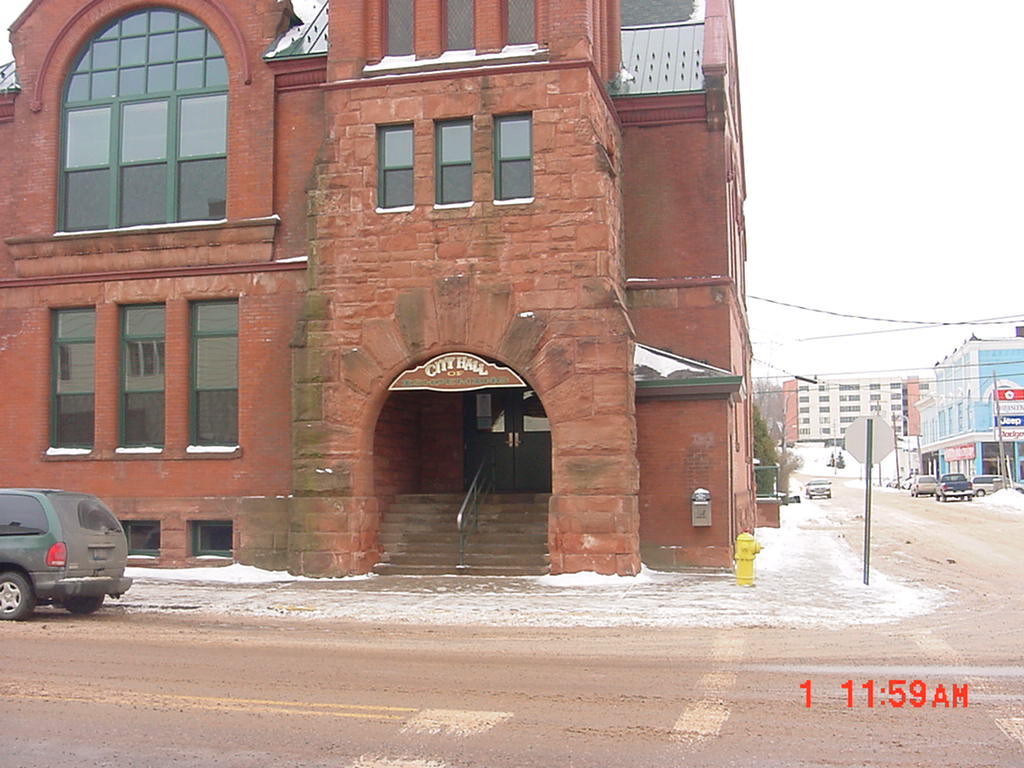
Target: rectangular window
459,25
74,378
520,22
143,537
395,154
142,383
212,538
513,166
455,161
215,373
400,25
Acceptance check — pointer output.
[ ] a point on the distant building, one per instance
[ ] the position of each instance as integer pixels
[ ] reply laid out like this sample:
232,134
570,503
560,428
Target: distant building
958,416
821,412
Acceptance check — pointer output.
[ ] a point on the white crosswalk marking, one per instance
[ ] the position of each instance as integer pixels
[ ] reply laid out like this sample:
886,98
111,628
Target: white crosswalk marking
700,720
1013,727
375,761
454,722
716,682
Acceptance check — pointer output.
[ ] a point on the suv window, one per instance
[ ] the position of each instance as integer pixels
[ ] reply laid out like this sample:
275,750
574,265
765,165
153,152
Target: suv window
92,514
96,517
21,515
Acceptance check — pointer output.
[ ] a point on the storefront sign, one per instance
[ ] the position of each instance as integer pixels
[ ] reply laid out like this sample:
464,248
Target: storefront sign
1013,434
1010,394
457,372
1011,421
1011,406
959,453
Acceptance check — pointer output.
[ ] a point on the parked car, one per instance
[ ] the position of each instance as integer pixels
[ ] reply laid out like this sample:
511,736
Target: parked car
987,484
58,547
818,489
954,485
923,485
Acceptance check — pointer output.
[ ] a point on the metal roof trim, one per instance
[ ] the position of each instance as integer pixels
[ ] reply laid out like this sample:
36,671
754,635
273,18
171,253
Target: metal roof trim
9,78
303,40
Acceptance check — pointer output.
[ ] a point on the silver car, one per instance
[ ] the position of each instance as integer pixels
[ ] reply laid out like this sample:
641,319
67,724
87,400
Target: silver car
987,484
923,485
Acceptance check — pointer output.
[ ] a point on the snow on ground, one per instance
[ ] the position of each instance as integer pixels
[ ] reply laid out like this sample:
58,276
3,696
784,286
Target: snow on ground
1006,500
807,576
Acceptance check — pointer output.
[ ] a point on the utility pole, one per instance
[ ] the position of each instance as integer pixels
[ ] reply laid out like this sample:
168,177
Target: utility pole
999,432
896,446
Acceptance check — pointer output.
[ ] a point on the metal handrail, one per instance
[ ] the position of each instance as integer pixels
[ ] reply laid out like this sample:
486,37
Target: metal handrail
466,520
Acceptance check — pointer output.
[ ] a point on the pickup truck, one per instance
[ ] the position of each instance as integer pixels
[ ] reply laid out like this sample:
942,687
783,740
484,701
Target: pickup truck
954,486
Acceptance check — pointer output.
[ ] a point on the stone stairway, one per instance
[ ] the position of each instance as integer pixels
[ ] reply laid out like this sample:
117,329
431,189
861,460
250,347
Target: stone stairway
418,535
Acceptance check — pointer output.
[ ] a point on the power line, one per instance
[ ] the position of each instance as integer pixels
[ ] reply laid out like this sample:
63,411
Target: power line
932,323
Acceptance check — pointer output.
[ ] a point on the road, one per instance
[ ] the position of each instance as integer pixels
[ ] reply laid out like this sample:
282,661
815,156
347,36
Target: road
141,689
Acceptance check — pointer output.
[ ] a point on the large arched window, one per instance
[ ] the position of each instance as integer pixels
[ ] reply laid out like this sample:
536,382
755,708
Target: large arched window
145,125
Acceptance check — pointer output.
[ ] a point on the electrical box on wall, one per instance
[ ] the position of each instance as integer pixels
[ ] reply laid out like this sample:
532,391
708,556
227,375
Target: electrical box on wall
700,508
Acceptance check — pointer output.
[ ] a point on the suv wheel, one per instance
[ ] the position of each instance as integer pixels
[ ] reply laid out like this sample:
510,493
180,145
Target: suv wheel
17,600
980,492
83,605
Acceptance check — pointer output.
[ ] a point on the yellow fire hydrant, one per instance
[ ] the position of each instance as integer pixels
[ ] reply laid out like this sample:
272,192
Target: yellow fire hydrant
746,549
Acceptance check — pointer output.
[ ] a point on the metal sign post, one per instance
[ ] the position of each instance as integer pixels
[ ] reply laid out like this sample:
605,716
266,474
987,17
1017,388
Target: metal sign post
867,439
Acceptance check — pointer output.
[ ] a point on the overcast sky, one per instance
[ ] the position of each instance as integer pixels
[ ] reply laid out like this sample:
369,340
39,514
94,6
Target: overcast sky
883,162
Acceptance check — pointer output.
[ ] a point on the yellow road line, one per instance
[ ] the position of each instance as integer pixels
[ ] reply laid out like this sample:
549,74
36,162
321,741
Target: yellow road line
234,705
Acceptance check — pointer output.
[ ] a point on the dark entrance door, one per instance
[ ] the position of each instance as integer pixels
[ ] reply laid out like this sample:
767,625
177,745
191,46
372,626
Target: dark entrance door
508,426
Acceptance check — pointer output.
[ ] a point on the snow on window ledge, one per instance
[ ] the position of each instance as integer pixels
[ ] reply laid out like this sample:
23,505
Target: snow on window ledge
450,206
515,201
469,56
51,451
198,223
400,209
211,449
140,449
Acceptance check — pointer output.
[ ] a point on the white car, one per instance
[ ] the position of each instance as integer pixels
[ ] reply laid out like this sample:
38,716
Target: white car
818,489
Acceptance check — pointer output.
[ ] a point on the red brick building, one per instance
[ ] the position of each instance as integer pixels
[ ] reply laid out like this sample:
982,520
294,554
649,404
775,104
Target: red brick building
282,300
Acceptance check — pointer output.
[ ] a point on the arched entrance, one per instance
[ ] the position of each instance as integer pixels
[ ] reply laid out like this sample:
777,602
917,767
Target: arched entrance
446,422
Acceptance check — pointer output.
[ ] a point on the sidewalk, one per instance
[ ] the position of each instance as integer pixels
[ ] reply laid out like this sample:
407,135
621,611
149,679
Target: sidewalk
806,577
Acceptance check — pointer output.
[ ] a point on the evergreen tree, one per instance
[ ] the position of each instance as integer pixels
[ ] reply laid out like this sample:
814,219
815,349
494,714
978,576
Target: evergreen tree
764,446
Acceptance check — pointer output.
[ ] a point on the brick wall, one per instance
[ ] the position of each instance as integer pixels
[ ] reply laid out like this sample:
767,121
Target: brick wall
682,446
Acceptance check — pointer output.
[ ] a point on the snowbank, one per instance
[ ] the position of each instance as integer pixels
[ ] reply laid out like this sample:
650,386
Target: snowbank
1006,500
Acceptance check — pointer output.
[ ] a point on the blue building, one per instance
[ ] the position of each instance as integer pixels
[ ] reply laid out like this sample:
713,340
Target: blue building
958,418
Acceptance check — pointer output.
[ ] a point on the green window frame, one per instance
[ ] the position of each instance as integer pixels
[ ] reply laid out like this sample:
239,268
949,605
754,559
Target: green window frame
144,125
73,387
143,537
142,376
454,153
212,538
513,157
395,163
214,401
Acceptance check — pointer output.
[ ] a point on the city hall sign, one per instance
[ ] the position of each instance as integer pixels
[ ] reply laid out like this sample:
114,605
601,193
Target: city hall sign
457,372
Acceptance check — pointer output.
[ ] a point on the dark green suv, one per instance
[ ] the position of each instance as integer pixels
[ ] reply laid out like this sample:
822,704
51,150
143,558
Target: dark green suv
58,547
